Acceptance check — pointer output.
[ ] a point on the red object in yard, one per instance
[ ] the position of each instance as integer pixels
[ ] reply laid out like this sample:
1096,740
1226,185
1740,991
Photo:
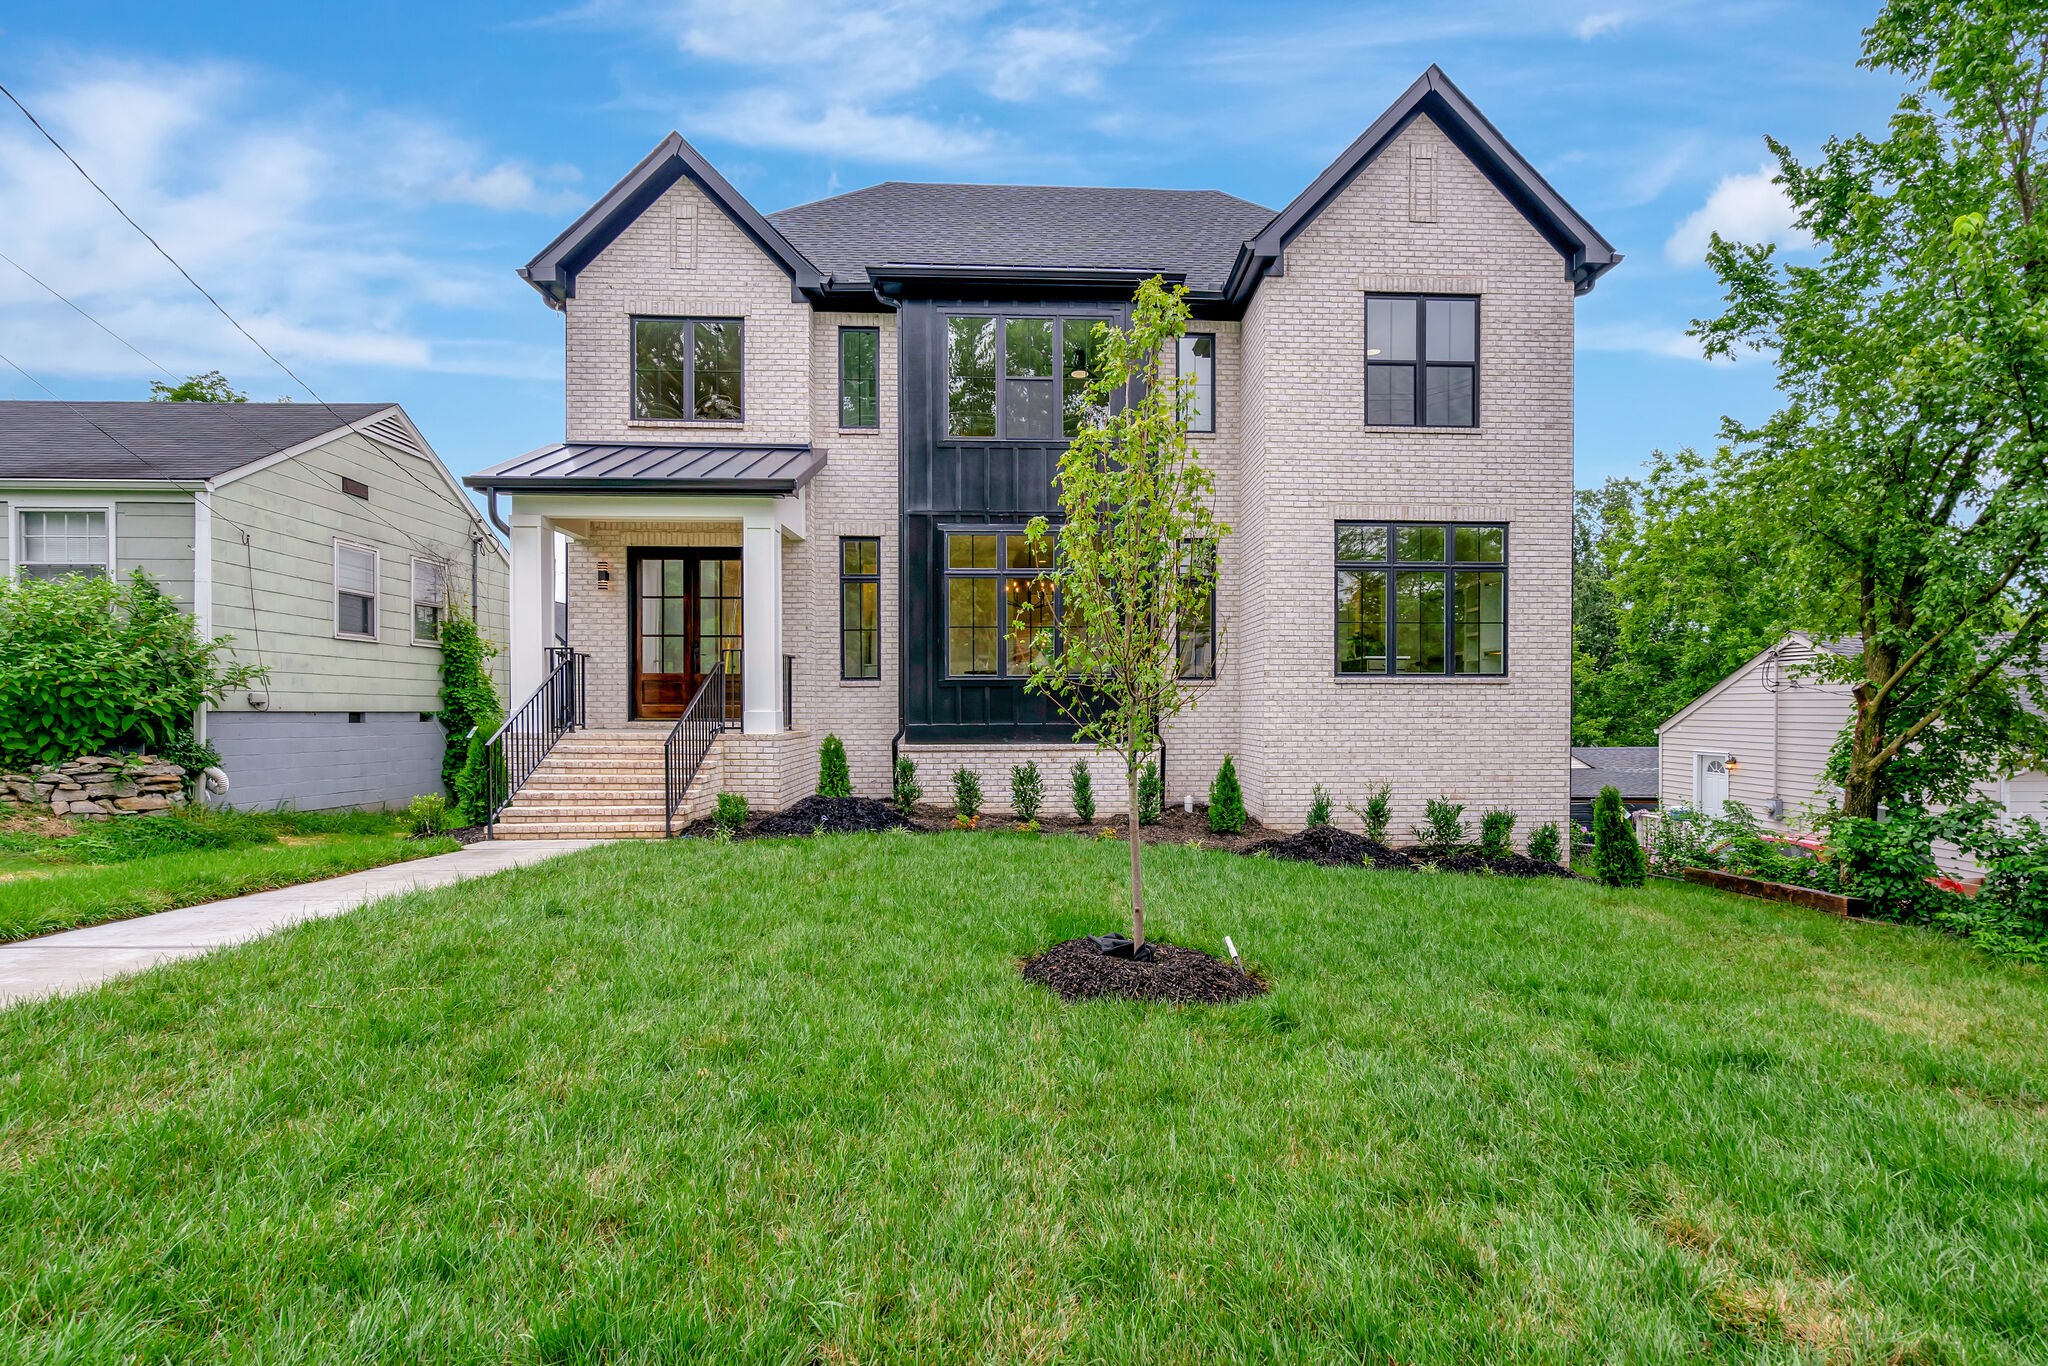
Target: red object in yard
1956,885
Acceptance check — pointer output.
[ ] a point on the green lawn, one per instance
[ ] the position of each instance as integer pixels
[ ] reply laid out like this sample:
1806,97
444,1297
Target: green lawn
788,1101
111,870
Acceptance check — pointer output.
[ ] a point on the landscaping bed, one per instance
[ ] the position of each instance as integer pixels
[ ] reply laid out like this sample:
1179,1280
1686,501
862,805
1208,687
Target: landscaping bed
1079,970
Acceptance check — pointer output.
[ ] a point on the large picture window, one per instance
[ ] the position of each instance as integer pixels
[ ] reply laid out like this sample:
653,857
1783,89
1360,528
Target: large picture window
1421,599
860,376
1197,357
1421,362
688,369
860,607
1000,593
59,541
1017,378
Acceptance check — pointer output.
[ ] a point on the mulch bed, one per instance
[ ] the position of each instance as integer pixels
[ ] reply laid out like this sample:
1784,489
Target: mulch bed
1472,861
1078,970
1332,848
832,816
468,834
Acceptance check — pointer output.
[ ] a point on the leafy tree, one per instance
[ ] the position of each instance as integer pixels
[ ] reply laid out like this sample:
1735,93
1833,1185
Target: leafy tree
1226,800
1617,858
834,778
88,664
211,387
1904,485
1132,552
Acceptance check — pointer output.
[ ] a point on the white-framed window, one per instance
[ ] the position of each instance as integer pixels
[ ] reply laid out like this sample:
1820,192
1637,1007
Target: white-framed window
51,542
429,599
355,591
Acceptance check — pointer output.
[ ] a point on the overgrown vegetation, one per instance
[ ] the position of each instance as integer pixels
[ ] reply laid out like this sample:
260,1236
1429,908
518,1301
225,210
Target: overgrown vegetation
89,665
1226,800
834,778
470,714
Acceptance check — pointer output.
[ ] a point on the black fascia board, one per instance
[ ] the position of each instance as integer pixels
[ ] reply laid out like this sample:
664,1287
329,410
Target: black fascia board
553,271
921,280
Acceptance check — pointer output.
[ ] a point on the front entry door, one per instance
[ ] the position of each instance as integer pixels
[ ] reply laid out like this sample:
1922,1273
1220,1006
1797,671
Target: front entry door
686,611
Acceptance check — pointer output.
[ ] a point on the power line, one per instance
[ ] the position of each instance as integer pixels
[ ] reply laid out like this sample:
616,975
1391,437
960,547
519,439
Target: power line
80,311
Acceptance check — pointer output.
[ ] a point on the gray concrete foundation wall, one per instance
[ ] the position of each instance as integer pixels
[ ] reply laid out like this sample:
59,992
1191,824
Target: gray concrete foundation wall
320,760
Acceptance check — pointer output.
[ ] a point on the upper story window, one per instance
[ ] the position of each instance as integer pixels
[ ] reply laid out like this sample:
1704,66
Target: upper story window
59,541
1421,362
687,369
860,377
1421,599
1198,358
355,591
1000,594
1017,378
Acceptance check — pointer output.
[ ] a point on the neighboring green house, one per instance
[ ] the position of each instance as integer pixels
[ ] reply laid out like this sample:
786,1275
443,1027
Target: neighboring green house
328,541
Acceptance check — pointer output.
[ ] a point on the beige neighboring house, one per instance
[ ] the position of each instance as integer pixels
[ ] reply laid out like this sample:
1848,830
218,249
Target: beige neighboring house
328,541
805,444
1762,735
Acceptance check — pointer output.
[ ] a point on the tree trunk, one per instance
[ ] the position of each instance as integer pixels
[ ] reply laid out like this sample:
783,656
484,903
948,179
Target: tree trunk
1137,865
1860,786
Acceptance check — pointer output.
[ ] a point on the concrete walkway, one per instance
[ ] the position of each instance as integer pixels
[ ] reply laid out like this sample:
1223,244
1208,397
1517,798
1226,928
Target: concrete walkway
77,959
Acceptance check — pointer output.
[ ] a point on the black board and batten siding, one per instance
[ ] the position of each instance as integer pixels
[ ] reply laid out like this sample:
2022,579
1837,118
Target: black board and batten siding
947,485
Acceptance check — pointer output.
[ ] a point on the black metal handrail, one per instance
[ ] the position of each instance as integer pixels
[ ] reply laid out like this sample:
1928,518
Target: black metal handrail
694,733
529,734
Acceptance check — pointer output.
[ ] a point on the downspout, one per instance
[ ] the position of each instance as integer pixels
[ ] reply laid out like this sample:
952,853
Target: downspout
491,506
902,709
475,607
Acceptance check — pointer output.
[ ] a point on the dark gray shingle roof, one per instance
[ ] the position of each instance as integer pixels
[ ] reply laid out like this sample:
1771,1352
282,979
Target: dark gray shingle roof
179,441
1194,232
591,467
1632,768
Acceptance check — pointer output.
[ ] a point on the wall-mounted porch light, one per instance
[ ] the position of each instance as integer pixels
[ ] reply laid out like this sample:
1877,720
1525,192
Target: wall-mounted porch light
1733,763
604,576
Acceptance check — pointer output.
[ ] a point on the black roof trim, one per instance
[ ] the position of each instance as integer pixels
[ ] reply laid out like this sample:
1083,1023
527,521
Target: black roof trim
1587,254
695,469
919,278
553,272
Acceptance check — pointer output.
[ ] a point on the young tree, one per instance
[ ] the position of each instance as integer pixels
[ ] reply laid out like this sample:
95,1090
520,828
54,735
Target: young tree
1905,482
1134,554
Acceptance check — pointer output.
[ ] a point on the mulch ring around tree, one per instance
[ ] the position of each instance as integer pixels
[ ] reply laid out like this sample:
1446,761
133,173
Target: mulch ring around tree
1078,970
831,816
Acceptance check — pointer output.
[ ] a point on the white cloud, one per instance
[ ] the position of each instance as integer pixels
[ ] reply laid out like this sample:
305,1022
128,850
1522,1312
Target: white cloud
1033,61
779,118
1647,339
1742,208
1599,22
322,227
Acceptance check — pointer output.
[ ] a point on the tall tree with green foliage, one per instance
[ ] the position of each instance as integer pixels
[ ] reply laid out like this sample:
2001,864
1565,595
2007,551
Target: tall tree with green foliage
1134,553
211,387
1904,485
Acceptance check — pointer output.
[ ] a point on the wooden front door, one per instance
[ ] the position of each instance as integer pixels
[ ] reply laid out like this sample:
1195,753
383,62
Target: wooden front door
686,611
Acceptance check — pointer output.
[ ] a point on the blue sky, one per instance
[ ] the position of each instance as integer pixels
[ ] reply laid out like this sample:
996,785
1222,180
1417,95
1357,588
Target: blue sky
357,182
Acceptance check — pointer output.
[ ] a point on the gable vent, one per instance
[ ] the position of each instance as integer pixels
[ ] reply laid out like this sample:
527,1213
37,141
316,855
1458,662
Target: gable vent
393,430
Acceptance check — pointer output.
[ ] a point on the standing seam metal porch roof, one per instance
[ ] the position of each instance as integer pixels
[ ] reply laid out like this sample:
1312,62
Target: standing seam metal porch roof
701,469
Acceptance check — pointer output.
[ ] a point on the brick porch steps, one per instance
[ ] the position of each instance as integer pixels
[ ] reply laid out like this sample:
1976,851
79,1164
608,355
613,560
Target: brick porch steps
594,784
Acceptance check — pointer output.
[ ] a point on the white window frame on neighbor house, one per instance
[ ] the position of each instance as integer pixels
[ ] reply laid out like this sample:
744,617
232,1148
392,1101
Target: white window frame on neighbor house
439,603
17,546
376,589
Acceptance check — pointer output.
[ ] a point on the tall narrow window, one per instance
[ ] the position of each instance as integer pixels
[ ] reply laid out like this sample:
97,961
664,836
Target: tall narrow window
1079,350
1421,362
1001,596
1196,640
1198,358
1426,599
429,599
860,376
971,377
688,369
355,591
860,607
59,541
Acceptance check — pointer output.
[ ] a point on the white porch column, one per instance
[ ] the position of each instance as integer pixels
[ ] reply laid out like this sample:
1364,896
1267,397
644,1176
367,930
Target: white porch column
532,604
761,620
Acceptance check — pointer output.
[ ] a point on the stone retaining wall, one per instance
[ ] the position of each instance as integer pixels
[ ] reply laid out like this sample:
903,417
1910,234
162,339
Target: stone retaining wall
98,786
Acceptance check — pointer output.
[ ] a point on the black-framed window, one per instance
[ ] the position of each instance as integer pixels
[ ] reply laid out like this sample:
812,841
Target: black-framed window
860,607
1421,599
1017,377
860,377
1000,593
1196,356
1196,640
1421,361
688,369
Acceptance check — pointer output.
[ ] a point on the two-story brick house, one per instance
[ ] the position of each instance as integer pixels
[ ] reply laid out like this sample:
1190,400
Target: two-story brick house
813,436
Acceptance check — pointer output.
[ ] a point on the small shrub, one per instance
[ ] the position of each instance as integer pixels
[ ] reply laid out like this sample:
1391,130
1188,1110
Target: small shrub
1546,845
1226,800
1027,793
1377,812
1318,806
1443,827
904,791
1497,833
1889,862
1684,839
190,754
834,780
966,796
429,813
1151,794
731,815
1084,794
1617,858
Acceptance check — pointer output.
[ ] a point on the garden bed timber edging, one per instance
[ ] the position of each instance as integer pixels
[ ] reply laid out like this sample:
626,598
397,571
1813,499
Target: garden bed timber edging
1834,903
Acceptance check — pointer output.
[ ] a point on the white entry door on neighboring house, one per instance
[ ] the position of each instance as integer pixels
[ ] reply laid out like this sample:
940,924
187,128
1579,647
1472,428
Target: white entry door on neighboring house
1710,783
